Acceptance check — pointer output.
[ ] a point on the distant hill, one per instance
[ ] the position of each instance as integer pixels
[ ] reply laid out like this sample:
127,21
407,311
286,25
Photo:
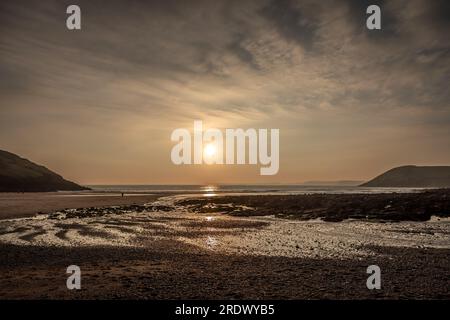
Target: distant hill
21,175
413,176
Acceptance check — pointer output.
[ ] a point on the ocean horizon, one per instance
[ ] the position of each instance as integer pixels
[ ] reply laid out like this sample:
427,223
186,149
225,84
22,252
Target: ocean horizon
249,188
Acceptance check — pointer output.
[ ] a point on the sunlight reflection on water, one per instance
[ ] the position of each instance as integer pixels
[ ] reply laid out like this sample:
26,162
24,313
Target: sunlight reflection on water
210,194
209,191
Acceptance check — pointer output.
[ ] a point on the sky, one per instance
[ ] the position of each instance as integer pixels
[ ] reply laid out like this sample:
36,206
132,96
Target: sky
98,105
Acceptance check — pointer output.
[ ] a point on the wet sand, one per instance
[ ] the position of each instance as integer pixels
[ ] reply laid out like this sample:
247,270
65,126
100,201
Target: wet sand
173,270
167,250
18,205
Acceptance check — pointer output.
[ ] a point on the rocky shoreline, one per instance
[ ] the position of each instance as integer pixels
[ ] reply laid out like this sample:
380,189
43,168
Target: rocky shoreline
331,207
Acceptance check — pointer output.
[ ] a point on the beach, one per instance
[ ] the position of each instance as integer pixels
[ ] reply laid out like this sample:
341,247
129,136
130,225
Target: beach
185,246
19,205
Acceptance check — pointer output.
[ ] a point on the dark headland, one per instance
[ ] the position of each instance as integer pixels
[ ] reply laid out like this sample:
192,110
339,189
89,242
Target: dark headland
21,175
413,177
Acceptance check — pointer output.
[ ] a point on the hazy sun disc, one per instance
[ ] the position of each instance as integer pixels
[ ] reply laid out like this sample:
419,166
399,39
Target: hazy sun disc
210,150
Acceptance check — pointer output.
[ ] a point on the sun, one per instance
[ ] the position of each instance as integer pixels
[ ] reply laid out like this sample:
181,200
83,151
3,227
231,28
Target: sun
210,150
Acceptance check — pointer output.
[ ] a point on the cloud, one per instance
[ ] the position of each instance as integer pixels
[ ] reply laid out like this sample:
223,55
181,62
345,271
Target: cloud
292,22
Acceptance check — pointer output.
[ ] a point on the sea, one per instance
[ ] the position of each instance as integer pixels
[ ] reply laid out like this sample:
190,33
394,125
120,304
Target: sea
247,189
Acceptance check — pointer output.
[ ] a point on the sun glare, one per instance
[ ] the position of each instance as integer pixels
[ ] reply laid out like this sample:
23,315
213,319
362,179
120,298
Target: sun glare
210,150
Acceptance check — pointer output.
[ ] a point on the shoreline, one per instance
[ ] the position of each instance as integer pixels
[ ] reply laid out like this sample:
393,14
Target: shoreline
24,205
329,207
166,251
